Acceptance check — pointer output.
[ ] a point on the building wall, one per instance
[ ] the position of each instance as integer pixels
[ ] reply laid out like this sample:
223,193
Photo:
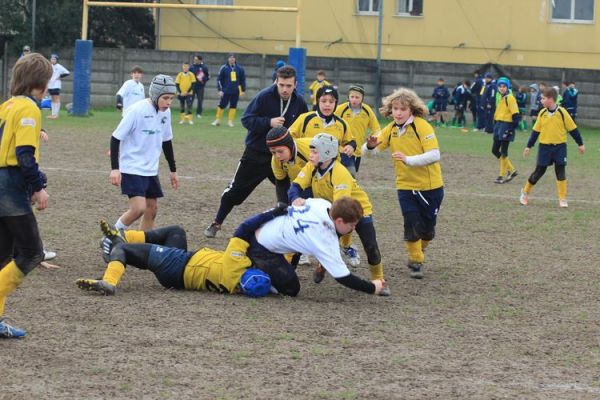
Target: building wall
110,68
454,31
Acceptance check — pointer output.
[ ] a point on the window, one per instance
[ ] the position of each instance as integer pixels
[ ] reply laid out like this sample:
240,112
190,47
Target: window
215,2
413,8
577,11
369,7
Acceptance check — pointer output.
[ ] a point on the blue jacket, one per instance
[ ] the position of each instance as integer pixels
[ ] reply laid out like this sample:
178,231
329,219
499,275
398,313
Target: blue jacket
264,106
200,71
521,99
224,83
488,98
476,86
440,94
570,98
461,96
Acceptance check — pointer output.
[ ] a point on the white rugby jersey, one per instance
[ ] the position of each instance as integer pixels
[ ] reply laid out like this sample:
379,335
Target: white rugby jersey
308,230
57,71
131,92
141,132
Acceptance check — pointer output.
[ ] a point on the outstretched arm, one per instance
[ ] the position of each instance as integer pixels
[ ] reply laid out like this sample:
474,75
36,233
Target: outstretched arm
247,228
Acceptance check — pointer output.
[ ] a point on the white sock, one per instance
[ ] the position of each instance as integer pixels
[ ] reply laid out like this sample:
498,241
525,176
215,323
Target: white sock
55,108
121,225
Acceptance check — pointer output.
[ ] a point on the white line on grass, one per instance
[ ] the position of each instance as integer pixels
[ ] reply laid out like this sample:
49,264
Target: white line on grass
368,187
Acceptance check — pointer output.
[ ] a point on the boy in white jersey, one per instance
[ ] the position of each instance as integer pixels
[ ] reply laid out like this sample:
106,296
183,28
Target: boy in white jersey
132,90
54,86
135,149
313,229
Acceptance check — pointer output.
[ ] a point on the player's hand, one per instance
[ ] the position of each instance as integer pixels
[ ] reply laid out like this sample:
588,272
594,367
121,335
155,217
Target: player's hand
581,149
115,177
526,151
242,94
372,142
174,180
220,93
399,156
277,122
44,135
299,202
348,150
379,285
40,199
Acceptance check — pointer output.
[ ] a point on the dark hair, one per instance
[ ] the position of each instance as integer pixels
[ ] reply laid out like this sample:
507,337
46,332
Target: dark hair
321,72
198,56
137,68
467,82
346,208
185,63
287,71
32,71
550,92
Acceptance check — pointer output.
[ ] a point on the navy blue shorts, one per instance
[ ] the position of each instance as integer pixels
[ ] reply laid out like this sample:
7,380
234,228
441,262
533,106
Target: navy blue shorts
143,186
421,207
168,265
15,196
231,99
500,128
533,112
440,106
53,92
549,154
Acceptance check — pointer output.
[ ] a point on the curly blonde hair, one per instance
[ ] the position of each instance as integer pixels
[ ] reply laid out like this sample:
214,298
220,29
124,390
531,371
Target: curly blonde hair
406,97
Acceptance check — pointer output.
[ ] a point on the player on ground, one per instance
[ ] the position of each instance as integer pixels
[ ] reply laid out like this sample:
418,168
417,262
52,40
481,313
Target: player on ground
330,180
416,158
132,90
551,126
21,182
360,118
55,84
506,121
275,106
135,149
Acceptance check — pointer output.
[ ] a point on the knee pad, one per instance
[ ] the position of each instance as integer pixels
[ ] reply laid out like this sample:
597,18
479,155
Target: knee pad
411,227
537,174
429,235
28,263
561,172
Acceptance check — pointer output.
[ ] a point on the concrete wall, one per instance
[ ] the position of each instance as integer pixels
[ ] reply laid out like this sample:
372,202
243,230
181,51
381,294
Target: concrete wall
111,67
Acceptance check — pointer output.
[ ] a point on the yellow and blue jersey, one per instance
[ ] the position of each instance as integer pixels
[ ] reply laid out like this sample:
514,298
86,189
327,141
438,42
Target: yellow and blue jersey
359,123
417,138
506,108
20,125
554,126
335,183
290,169
217,271
314,88
185,81
310,124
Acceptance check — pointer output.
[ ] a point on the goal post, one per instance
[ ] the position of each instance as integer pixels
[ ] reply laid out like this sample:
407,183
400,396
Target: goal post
83,47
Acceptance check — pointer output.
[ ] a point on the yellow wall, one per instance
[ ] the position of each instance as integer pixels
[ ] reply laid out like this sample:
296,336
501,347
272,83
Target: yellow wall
484,26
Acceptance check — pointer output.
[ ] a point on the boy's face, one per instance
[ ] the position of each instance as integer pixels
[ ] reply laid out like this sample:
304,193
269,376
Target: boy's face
164,101
53,60
281,153
137,76
313,157
327,104
320,77
197,60
502,89
440,82
231,60
344,227
400,112
355,99
285,87
185,67
548,102
542,87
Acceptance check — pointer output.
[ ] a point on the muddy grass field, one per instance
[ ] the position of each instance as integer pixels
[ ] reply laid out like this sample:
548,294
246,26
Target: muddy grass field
509,307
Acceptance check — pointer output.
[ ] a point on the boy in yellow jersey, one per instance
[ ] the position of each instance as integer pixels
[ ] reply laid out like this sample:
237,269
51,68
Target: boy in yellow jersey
289,157
506,121
21,182
323,120
551,126
415,155
316,85
330,180
361,119
164,252
184,82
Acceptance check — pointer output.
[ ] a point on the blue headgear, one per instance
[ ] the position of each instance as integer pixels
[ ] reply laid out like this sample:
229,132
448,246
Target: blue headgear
255,283
279,64
503,81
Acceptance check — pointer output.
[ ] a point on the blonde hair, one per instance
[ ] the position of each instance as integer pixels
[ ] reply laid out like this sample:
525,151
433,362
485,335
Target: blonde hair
406,97
32,71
